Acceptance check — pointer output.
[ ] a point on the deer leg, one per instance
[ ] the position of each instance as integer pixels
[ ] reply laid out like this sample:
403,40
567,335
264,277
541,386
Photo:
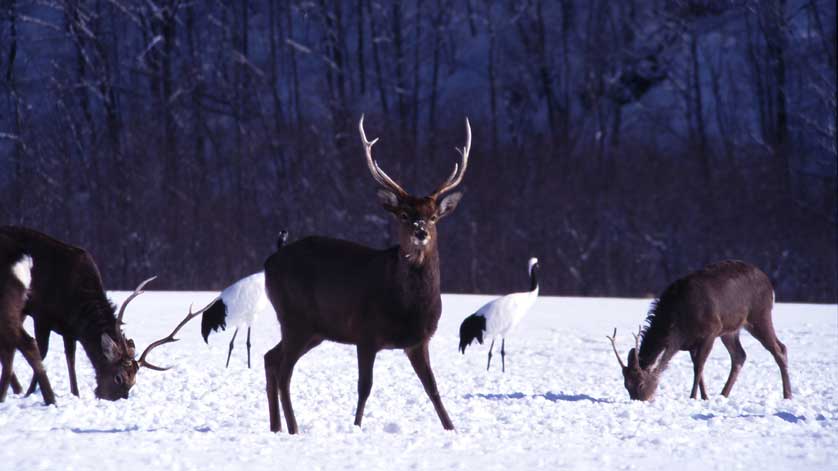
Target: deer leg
16,387
42,337
272,360
248,347
230,351
366,360
699,357
737,359
7,358
292,350
29,349
420,360
502,356
489,362
70,354
769,340
701,387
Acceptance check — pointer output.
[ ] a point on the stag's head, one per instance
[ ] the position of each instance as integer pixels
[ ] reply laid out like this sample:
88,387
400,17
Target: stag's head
417,216
118,374
640,383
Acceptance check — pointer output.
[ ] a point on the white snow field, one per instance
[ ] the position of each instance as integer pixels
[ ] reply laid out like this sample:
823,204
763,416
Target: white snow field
560,405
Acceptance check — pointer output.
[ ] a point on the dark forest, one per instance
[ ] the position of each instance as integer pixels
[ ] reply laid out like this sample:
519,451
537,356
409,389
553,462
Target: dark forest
624,143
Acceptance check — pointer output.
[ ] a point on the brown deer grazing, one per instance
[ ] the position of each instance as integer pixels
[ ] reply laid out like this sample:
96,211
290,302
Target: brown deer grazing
67,297
330,289
716,301
15,280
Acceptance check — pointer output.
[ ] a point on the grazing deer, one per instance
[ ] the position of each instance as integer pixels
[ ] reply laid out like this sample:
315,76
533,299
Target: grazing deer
330,289
15,280
716,301
67,297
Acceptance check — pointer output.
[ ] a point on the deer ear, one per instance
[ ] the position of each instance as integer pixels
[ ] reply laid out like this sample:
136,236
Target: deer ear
448,204
389,200
131,348
109,348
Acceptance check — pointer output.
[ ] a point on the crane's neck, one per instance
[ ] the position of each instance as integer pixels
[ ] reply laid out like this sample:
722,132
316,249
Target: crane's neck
534,281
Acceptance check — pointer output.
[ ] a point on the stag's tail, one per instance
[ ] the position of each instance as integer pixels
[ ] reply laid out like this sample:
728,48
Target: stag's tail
214,318
472,328
281,239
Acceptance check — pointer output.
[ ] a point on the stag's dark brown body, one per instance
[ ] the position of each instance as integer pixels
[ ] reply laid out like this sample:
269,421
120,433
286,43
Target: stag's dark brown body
13,295
67,297
717,301
329,289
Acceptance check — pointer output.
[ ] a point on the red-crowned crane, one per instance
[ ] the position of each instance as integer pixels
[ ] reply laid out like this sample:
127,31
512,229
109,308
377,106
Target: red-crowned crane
499,317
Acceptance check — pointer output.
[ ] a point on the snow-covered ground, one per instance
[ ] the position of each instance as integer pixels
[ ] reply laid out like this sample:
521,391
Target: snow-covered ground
560,405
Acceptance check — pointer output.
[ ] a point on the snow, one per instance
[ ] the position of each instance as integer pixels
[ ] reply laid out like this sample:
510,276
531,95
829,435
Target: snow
560,405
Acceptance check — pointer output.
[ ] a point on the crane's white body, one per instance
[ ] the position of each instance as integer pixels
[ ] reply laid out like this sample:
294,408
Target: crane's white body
245,299
503,314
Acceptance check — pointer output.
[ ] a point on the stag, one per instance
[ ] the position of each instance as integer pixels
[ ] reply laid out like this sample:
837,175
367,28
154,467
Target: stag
67,297
331,289
716,301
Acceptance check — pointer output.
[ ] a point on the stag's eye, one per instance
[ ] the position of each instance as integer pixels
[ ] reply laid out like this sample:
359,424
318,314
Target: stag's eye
433,218
118,379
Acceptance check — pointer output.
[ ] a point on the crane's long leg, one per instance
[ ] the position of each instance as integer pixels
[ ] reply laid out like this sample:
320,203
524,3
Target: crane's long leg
248,347
488,363
503,355
230,351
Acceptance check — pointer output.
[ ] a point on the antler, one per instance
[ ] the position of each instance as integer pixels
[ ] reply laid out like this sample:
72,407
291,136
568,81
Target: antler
637,337
614,346
133,295
457,175
379,175
168,339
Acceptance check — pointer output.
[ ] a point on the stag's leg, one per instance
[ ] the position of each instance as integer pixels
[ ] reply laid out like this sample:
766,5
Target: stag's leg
421,362
737,359
70,354
766,336
16,387
42,337
503,356
230,351
366,361
272,360
700,357
489,362
7,357
293,347
701,387
248,347
29,349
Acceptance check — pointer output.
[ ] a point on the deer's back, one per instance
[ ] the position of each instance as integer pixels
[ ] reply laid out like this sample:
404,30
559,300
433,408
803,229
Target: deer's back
719,299
64,278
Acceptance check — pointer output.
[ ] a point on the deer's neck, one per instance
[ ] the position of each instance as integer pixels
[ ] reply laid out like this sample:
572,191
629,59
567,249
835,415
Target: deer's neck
655,342
418,282
96,319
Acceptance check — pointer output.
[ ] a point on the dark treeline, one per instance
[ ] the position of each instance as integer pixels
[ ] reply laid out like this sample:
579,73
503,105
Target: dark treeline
624,143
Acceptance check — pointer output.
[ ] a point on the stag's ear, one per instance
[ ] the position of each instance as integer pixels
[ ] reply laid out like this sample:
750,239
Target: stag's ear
447,205
110,349
389,200
131,348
